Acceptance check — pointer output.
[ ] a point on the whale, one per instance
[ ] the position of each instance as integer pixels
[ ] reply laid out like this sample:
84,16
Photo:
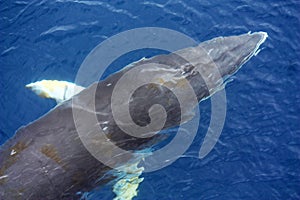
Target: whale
47,159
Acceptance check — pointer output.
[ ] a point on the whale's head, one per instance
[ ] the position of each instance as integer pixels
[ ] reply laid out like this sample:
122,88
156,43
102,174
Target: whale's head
230,53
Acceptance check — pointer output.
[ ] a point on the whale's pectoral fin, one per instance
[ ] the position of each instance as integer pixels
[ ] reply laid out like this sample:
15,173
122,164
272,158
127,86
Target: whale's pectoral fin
126,187
54,89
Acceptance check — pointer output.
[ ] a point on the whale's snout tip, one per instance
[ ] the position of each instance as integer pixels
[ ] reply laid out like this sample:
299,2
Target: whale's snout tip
261,36
255,41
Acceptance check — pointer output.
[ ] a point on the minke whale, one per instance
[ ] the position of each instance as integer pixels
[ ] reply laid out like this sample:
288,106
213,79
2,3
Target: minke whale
47,160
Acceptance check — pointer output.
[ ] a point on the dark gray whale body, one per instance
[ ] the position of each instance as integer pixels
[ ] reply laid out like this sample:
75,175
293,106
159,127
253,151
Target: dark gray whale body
47,160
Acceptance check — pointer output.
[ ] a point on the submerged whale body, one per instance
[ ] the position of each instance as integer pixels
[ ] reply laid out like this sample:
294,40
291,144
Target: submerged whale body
47,160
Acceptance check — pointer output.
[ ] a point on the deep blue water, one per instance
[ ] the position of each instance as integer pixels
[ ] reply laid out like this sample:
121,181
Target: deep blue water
258,153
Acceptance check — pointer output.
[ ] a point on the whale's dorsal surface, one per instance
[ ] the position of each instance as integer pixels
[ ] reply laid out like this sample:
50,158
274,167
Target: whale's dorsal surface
47,160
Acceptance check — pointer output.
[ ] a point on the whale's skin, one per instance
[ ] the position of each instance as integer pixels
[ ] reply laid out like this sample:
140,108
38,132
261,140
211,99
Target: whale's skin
47,160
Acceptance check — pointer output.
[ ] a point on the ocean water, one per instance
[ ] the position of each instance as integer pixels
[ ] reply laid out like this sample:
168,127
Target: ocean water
258,153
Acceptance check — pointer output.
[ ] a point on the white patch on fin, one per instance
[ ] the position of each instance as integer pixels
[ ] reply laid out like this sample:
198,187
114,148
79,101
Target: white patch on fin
54,89
127,187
